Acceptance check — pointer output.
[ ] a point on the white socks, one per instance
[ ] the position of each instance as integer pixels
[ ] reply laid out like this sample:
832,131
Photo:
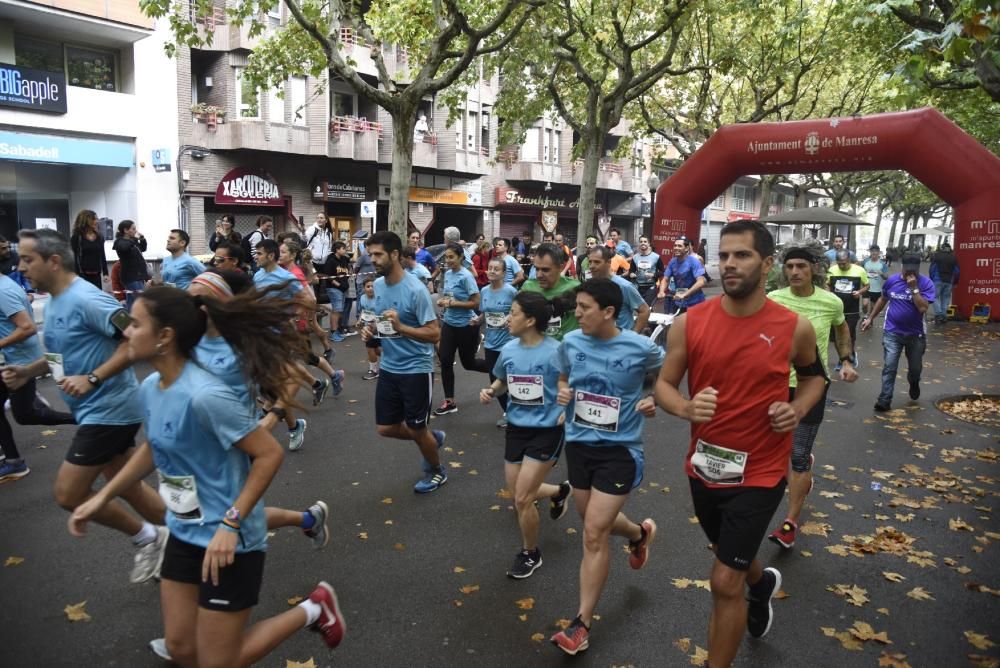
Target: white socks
312,611
146,535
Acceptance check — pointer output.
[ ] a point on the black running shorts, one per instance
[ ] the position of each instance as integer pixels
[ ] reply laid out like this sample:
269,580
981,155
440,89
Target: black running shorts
542,444
239,583
98,444
612,469
403,397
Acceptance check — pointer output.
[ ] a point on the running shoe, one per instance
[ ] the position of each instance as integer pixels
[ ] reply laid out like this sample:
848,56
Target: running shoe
446,407
854,359
319,533
336,337
337,379
502,422
348,332
13,471
559,504
639,550
371,374
881,408
838,367
159,647
432,482
482,337
760,614
425,465
149,558
525,564
320,388
574,638
297,435
329,354
785,534
915,391
331,621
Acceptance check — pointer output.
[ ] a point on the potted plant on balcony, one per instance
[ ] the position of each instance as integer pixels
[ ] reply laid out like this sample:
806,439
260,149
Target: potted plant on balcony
208,114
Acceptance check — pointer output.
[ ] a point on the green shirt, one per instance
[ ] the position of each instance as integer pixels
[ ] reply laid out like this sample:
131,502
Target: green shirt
823,309
558,327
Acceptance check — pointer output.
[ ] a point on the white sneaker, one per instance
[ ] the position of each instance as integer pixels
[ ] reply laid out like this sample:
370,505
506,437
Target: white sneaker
159,647
149,558
296,436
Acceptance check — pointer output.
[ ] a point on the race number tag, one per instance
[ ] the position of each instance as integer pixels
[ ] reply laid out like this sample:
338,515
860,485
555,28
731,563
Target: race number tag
596,411
554,326
496,320
180,493
526,390
385,328
3,360
368,317
719,465
55,361
645,272
843,286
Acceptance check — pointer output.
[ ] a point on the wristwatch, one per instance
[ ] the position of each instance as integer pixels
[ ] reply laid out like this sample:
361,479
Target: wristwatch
915,291
93,380
279,412
232,518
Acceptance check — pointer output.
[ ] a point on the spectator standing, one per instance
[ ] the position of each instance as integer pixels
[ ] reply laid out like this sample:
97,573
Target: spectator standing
130,245
337,266
319,240
250,241
88,249
421,254
944,273
224,232
481,261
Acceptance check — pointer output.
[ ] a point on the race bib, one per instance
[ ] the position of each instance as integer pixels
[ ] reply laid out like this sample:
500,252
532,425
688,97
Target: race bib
55,361
385,328
3,360
180,493
843,285
596,411
554,326
718,465
368,317
873,274
495,320
587,275
526,390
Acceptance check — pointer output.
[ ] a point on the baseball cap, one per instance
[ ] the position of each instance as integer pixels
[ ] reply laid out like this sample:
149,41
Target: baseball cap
911,262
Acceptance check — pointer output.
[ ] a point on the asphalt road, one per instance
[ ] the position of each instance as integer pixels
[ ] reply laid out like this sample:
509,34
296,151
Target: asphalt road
400,561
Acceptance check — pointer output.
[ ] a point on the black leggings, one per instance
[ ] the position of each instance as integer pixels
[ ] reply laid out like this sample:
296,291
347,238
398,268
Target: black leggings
26,409
491,361
465,340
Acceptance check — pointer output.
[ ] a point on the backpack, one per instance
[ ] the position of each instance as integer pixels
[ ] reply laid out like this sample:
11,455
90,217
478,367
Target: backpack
248,248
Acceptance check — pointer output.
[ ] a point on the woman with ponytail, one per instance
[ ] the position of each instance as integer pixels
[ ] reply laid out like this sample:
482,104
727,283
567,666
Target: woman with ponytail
214,463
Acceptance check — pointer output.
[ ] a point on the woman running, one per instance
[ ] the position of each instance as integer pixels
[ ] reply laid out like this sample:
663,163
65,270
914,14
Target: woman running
459,299
525,370
211,454
494,301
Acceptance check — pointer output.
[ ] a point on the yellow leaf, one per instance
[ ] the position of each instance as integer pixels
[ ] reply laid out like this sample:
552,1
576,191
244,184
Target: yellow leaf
523,618
399,547
295,600
828,631
830,495
842,506
806,553
964,570
979,640
76,613
665,490
505,494
525,603
781,594
682,583
363,535
469,589
883,611
893,577
839,550
703,584
13,561
958,524
473,472
455,465
700,656
387,500
563,623
494,508
352,414
920,594
848,641
388,522
457,603
295,664
458,569
816,529
352,401
49,432
571,530
537,637
896,660
683,644
853,594
693,519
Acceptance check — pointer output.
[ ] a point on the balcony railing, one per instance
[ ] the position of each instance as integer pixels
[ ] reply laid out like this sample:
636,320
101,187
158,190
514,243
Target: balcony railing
216,17
350,38
339,124
508,156
606,166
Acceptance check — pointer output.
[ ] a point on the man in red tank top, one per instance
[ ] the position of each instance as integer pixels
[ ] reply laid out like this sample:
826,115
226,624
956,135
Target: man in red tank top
736,351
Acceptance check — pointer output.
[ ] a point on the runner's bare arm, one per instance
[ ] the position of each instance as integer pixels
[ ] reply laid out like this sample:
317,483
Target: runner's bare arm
641,318
701,407
565,391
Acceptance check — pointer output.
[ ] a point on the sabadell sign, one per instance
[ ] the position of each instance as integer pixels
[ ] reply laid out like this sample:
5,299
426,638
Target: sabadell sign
248,187
24,88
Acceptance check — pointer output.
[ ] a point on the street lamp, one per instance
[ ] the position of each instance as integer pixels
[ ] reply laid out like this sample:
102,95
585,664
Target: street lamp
653,182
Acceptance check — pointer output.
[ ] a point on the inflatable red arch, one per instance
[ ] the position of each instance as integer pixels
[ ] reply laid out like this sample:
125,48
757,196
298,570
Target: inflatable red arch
938,153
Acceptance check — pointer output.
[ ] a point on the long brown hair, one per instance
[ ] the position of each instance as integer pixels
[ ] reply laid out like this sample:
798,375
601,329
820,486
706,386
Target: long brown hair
83,220
258,325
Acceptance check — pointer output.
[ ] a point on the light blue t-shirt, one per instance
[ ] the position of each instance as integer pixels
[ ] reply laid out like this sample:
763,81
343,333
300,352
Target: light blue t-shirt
460,286
78,327
495,307
511,268
180,271
623,248
410,299
263,279
420,271
192,427
831,255
532,378
13,300
631,301
214,354
606,377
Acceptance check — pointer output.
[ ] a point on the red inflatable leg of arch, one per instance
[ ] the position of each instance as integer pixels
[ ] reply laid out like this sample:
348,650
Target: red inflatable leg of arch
923,142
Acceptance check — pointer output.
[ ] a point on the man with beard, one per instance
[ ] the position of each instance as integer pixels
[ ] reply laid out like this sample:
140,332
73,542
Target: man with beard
554,286
689,277
736,351
407,326
646,270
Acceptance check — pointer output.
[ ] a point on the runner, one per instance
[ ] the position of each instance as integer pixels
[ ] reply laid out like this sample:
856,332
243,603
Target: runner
646,270
495,301
525,370
549,280
367,318
179,267
689,279
408,329
736,351
513,274
89,362
634,313
601,373
850,283
197,426
460,300
807,296
877,271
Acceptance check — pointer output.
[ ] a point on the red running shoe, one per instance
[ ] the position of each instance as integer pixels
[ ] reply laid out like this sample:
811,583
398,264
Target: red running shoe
331,622
639,551
575,638
785,534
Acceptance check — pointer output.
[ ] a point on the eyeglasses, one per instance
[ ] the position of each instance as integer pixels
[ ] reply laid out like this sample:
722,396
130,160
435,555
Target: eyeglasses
220,260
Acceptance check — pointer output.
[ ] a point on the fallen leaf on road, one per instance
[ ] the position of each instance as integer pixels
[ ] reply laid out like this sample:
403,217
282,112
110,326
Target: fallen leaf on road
893,577
363,535
571,530
816,529
681,583
563,623
806,553
842,506
703,584
830,495
683,644
295,664
523,618
525,603
457,603
537,637
389,522
700,656
864,631
853,594
920,594
781,594
399,547
13,561
76,613
693,519
848,641
352,414
897,660
458,569
387,500
979,640
980,661
469,589
455,465
883,611
828,631
494,508
505,494
958,524
49,432
295,600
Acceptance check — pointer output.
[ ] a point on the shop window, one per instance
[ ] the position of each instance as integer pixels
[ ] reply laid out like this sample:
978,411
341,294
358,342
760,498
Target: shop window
248,99
90,68
298,88
38,54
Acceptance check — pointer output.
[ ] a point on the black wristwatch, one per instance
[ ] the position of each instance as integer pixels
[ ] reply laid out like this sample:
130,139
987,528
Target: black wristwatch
93,380
279,412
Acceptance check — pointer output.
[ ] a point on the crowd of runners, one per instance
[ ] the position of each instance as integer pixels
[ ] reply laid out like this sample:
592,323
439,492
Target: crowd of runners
568,363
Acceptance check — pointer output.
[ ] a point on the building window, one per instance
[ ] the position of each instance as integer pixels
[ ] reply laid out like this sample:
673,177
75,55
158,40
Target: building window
247,97
38,54
789,202
471,131
556,146
529,149
546,141
298,87
276,105
90,68
342,104
484,133
719,202
743,199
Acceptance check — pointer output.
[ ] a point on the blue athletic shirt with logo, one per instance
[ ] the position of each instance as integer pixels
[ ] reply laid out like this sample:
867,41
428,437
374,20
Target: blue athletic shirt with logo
685,273
13,300
78,326
511,268
214,354
459,285
631,301
180,271
410,299
264,279
606,376
491,304
532,378
192,427
420,271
